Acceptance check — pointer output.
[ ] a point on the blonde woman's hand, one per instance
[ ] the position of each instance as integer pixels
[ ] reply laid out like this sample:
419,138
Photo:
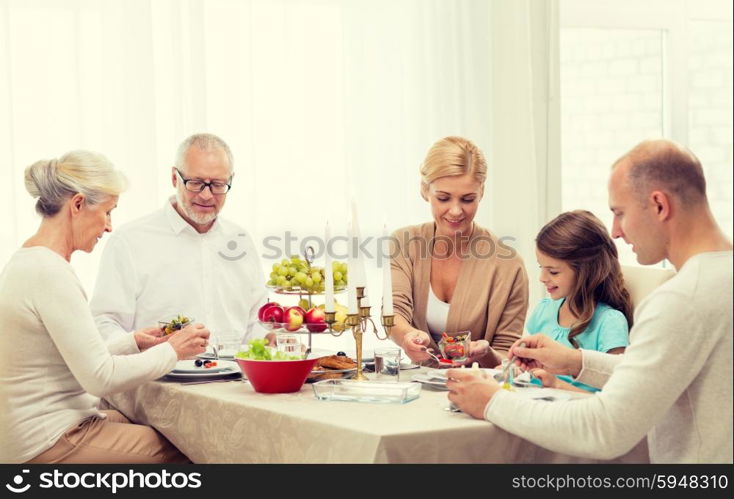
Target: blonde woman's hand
477,350
415,343
190,341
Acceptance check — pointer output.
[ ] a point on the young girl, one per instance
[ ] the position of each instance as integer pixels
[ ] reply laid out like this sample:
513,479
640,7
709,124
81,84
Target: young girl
589,307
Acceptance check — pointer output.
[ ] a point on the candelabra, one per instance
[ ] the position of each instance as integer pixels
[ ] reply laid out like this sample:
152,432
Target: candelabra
359,324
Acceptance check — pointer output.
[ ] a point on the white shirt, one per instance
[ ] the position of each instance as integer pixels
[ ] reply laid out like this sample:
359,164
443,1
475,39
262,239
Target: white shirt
53,363
437,313
158,267
673,383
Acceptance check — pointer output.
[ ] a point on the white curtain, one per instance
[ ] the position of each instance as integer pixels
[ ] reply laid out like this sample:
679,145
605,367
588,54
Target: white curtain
322,101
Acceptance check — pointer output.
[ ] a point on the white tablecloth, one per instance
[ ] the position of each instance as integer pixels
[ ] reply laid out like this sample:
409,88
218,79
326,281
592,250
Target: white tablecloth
231,423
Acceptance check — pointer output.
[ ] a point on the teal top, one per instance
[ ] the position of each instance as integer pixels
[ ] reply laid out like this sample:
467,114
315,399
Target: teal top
607,330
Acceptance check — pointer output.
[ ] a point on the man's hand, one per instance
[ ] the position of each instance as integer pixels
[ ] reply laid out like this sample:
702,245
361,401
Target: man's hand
271,337
471,391
148,337
189,341
541,352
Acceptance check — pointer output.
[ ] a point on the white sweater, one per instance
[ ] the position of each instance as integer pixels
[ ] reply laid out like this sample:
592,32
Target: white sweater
54,363
673,383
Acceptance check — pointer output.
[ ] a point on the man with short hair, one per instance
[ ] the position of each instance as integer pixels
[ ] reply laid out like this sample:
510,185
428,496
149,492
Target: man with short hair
184,258
673,383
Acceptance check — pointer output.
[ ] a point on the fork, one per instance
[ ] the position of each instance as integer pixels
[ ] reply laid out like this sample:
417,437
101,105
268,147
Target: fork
429,352
213,342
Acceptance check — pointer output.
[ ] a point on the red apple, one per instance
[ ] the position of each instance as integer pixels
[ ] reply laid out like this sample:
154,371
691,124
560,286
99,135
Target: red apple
273,313
315,320
261,311
293,318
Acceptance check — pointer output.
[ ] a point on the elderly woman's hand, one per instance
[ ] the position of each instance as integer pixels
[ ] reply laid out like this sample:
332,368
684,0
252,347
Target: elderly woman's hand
148,337
470,390
190,341
415,343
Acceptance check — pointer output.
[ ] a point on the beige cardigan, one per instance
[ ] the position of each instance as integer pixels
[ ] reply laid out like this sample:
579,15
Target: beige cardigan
491,294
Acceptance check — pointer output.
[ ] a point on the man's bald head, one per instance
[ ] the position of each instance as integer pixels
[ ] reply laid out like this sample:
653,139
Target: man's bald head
665,166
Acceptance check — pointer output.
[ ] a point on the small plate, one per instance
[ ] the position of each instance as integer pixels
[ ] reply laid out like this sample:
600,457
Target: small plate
546,394
324,371
187,369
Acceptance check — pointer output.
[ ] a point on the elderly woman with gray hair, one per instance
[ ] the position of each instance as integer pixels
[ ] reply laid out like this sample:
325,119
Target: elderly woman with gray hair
54,364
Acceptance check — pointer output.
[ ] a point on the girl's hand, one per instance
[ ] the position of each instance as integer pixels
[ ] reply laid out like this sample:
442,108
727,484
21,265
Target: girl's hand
548,380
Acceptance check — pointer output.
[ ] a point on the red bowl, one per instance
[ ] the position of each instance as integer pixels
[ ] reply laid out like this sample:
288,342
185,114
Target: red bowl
276,376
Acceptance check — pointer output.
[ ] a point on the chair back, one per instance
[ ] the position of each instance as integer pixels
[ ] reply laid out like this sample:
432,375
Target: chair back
641,281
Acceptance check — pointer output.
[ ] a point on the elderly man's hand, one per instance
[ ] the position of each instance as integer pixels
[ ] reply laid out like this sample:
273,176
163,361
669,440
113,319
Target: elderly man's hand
471,391
190,341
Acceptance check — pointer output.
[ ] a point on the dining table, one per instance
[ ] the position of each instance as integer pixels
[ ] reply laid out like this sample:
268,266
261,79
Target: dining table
228,422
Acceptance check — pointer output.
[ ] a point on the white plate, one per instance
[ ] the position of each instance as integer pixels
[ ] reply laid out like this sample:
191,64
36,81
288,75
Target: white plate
210,356
547,394
427,380
441,373
186,369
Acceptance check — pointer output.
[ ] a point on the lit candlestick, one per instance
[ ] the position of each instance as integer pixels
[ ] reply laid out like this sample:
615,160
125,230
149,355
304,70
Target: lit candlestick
328,272
387,308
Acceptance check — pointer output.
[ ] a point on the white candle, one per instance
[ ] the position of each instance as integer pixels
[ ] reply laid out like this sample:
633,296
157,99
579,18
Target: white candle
328,272
387,308
357,272
351,279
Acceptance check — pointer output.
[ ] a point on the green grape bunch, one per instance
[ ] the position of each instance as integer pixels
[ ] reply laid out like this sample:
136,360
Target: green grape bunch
296,274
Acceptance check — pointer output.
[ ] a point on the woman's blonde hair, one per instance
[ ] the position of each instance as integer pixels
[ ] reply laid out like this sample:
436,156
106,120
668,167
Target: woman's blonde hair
85,172
453,156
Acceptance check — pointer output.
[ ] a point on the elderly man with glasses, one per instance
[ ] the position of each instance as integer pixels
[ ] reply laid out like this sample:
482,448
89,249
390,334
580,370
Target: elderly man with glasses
184,258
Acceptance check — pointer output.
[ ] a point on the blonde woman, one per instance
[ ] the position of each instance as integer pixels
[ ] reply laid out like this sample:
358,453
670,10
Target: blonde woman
53,362
451,275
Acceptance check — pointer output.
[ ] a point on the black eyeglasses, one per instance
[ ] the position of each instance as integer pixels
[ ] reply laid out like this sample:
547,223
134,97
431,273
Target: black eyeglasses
196,185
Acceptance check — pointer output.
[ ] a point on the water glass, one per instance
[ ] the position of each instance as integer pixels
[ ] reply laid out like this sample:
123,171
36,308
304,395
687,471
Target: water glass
387,364
227,342
288,343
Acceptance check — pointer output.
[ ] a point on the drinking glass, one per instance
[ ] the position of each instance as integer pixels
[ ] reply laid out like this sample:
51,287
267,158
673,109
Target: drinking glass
387,364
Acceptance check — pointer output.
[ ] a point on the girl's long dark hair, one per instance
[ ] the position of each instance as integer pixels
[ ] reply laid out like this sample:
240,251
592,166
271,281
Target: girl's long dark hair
581,240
